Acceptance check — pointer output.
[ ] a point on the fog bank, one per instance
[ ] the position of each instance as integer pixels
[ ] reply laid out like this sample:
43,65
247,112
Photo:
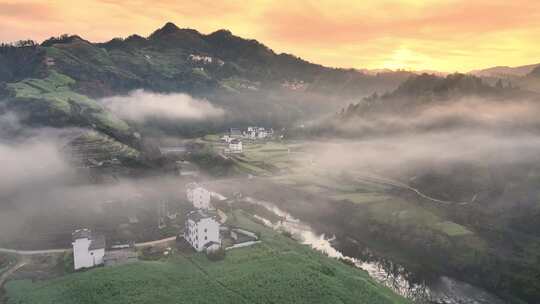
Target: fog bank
140,106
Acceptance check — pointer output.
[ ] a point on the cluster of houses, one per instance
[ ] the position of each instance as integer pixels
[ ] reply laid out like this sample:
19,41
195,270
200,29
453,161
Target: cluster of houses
202,230
205,59
235,136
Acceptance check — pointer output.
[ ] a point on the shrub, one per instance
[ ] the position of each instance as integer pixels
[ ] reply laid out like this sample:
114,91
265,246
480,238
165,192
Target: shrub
216,255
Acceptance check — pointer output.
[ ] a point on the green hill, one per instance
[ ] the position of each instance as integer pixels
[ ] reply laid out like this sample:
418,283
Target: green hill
242,75
278,270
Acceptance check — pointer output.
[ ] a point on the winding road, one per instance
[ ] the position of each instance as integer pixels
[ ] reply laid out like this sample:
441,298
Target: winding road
11,271
398,184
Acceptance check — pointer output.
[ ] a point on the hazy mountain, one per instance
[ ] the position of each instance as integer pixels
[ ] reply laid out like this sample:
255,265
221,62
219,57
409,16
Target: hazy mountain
505,71
61,78
429,89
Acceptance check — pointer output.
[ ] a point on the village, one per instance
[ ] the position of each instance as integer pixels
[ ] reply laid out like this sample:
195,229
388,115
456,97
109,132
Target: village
195,218
205,231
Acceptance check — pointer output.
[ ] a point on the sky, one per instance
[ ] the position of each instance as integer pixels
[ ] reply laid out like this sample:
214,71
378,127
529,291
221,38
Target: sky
442,35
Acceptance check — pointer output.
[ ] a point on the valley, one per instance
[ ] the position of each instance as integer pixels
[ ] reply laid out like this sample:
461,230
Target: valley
354,185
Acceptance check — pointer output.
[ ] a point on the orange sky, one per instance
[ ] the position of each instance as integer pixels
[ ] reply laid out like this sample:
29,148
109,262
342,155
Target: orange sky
445,35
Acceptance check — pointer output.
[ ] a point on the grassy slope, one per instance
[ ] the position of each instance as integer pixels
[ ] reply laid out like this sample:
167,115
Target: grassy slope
55,91
277,271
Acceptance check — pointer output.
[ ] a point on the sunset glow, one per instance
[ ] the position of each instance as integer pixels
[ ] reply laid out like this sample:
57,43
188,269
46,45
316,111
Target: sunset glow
446,35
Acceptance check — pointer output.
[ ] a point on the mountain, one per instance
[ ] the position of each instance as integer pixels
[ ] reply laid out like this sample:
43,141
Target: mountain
505,71
427,89
174,59
535,72
57,81
423,103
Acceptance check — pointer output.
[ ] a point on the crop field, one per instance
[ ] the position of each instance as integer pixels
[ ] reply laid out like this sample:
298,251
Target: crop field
55,91
279,270
453,229
99,147
361,197
262,159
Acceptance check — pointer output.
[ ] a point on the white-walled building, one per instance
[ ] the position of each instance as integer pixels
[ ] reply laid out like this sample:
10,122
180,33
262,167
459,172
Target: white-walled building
88,249
202,230
235,146
257,133
198,196
261,133
226,138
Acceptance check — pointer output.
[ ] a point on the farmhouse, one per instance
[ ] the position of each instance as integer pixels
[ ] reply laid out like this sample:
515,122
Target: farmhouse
235,146
198,196
257,133
88,249
202,230
200,58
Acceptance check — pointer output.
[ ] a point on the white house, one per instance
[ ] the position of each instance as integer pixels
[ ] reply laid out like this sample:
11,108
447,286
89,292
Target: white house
261,133
88,249
200,58
198,196
202,230
226,138
235,146
256,133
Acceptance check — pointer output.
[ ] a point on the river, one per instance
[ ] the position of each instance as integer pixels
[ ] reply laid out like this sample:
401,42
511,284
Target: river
442,290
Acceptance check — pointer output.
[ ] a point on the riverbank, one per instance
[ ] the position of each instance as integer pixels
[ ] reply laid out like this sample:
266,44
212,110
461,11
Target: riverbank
439,290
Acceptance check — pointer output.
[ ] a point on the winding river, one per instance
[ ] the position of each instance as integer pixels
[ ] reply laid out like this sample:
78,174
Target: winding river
443,290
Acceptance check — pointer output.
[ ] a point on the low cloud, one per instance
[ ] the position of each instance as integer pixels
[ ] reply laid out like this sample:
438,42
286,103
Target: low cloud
31,164
140,106
470,113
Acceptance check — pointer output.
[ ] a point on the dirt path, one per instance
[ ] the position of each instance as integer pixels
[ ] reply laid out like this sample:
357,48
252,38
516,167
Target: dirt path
62,250
10,271
156,242
398,184
33,252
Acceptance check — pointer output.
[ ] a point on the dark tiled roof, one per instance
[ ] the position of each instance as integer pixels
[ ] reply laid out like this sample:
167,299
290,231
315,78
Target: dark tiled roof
193,186
198,215
97,240
211,243
81,234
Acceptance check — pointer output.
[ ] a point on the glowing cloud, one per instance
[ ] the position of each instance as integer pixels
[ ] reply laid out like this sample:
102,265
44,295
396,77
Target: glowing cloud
140,105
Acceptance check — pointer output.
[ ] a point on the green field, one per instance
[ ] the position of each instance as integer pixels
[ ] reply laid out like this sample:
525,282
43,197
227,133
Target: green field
453,229
361,197
55,92
277,271
100,147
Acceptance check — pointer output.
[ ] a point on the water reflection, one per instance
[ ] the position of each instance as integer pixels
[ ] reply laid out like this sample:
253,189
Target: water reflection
442,290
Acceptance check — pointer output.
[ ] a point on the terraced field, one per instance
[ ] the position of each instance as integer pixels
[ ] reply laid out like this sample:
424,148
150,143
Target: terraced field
92,147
